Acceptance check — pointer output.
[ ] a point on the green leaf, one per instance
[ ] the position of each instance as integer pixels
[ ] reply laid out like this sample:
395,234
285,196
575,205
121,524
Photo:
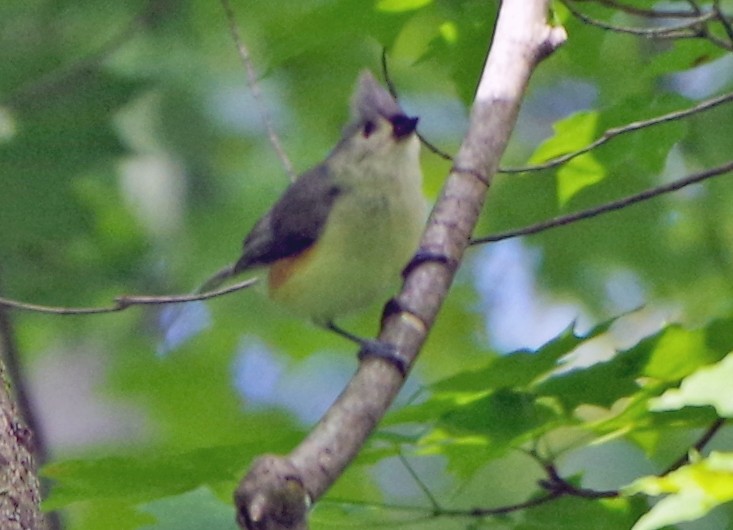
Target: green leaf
601,384
666,357
692,491
142,477
519,369
686,54
500,417
573,177
401,5
344,24
460,33
679,352
710,385
571,133
574,513
193,510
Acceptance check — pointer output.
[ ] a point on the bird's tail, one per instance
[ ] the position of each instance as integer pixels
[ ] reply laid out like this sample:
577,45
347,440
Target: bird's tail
216,280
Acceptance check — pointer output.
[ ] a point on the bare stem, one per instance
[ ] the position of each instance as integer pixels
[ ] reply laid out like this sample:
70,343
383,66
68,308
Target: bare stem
123,302
254,87
608,207
609,134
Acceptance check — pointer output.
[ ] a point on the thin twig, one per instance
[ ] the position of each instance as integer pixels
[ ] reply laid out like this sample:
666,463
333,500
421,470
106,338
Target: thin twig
254,87
694,7
557,484
123,302
390,86
387,77
649,13
695,28
618,131
723,19
608,207
423,487
697,446
448,512
510,508
688,29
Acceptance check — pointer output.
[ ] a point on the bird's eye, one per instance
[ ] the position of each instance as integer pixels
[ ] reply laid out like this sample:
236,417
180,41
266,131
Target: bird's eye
369,128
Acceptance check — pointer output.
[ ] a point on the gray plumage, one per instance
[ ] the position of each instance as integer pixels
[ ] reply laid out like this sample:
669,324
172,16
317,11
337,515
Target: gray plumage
297,219
294,222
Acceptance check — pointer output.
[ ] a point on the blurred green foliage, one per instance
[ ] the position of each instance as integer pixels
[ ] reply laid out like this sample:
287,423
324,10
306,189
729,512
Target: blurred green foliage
133,160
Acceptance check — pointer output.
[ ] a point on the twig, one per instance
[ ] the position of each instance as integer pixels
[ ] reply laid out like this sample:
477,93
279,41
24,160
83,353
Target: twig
557,484
392,90
608,207
390,86
423,487
723,19
694,7
688,29
554,484
123,302
254,87
697,446
649,13
387,77
450,512
696,27
618,131
510,508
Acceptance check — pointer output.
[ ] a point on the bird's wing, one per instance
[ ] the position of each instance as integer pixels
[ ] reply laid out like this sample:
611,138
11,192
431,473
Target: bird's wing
294,223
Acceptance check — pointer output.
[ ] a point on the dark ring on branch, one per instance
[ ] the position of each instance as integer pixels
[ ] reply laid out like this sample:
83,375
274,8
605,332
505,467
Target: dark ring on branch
478,175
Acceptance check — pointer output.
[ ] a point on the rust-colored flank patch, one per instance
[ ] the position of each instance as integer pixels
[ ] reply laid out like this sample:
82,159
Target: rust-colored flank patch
283,269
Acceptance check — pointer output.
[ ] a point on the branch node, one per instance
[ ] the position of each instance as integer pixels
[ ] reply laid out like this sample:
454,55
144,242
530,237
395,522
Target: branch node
272,496
556,37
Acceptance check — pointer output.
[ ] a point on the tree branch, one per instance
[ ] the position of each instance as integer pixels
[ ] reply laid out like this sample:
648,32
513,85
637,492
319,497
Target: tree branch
608,207
521,40
20,491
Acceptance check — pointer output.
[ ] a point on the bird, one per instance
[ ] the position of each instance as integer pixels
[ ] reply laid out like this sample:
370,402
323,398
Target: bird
343,231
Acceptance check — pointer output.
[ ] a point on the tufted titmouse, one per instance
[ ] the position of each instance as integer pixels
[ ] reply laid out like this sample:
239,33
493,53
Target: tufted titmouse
343,231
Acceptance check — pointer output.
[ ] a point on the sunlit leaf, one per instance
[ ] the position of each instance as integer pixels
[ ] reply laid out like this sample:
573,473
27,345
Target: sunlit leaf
576,175
401,5
692,491
571,134
710,385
